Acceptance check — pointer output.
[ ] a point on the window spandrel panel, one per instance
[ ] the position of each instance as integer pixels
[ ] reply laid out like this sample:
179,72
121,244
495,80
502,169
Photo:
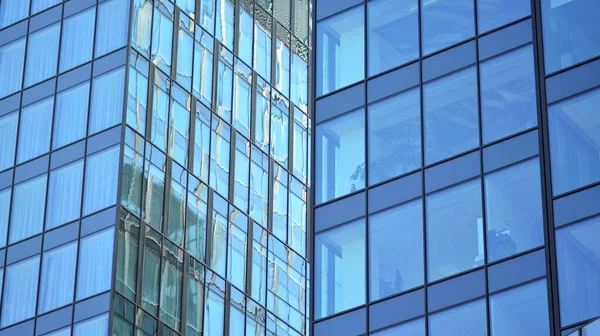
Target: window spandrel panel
492,14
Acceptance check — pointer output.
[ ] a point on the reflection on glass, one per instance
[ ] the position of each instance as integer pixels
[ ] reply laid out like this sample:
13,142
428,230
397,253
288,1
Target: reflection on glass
127,255
203,67
20,289
8,139
259,187
214,308
578,271
224,22
113,22
70,115
27,215
77,39
142,22
446,22
34,134
11,68
151,271
508,99
340,50
394,136
467,319
42,54
94,268
96,326
12,11
171,285
521,311
575,142
450,115
107,100
100,193
58,277
196,217
259,264
492,13
4,209
412,328
64,194
340,260
388,48
225,85
219,156
162,36
396,250
514,210
202,144
262,44
137,93
246,32
242,98
455,230
195,299
340,156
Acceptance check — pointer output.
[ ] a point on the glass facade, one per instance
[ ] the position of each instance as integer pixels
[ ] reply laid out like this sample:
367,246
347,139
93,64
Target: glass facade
154,167
456,167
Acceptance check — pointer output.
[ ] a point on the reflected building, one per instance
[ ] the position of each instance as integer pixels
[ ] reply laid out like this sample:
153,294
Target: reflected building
154,167
457,176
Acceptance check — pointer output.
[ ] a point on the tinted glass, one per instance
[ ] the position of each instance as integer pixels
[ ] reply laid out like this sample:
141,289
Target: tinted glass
107,100
578,271
388,48
203,68
412,328
162,36
34,135
394,136
262,46
77,39
455,230
96,326
508,99
40,5
42,54
514,210
340,260
521,311
20,290
450,115
113,21
467,319
340,50
219,156
58,277
492,13
396,250
94,270
27,216
575,142
445,23
569,27
12,11
340,156
224,22
4,210
11,67
64,194
142,21
70,115
101,176
8,139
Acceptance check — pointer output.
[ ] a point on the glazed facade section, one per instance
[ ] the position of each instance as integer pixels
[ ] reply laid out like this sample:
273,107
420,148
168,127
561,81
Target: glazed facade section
455,167
154,167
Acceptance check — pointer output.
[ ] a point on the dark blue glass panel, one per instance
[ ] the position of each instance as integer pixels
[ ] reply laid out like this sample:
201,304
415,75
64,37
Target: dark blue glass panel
521,311
40,5
493,13
467,319
445,23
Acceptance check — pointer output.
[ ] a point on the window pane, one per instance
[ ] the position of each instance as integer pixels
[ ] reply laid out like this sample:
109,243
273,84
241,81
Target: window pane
162,37
12,11
236,248
160,110
185,54
246,32
445,23
214,309
64,194
218,251
299,77
508,99
95,263
241,186
412,328
42,54
20,289
282,67
4,209
574,142
151,272
197,212
207,15
142,21
340,49
259,264
454,230
203,67
107,100
340,159
127,255
219,156
62,332
40,5
11,67
153,195
492,13
242,98
97,326
8,139
340,259
224,25
300,145
179,130
467,319
225,85
202,144
514,210
101,177
113,22
195,299
280,130
27,216
521,311
137,93
394,136
176,212
70,116
187,6
578,271
77,38
280,203
262,115
451,118
569,36
131,182
34,135
259,187
262,44
58,277
388,48
297,213
396,250
171,286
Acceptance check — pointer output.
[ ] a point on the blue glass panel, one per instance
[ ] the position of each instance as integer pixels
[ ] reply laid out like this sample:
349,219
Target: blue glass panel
219,156
101,176
340,49
262,49
107,100
154,195
20,289
521,311
40,5
574,142
64,194
77,39
340,259
514,210
297,222
113,22
467,319
259,187
162,40
137,93
42,54
242,93
27,216
8,139
262,115
4,210
396,250
241,186
58,277
12,11
185,45
280,131
11,67
203,68
578,271
196,217
454,230
282,67
70,116
340,157
445,23
236,248
214,306
569,32
280,203
160,111
508,99
195,299
299,79
412,328
171,286
62,332
394,136
246,33
225,86
224,23
218,252
142,22
451,119
187,6
176,213
34,137
207,15
300,145
259,264
94,266
492,13
179,132
202,144
97,326
388,48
